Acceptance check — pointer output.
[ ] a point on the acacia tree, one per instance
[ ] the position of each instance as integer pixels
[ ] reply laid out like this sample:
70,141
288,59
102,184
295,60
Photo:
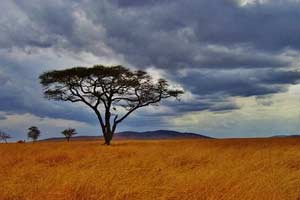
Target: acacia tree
4,136
33,133
113,93
68,133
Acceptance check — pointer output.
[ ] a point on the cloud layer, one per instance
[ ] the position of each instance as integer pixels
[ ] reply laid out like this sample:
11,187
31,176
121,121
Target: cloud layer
216,50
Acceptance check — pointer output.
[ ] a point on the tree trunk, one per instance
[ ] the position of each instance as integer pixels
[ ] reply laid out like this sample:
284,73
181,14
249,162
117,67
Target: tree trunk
107,130
107,142
107,137
68,139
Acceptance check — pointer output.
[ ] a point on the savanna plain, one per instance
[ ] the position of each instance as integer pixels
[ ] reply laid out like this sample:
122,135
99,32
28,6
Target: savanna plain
152,169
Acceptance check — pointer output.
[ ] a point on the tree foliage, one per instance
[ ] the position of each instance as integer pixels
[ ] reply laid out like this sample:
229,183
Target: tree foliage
4,136
113,93
33,133
68,133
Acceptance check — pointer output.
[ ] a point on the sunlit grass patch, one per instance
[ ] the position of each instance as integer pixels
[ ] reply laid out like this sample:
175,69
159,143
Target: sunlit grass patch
157,169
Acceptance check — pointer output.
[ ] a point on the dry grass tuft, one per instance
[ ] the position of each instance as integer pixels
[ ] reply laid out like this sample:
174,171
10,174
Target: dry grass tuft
166,169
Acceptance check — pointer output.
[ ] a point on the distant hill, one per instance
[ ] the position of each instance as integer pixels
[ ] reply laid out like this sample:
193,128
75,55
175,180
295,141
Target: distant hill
158,134
285,136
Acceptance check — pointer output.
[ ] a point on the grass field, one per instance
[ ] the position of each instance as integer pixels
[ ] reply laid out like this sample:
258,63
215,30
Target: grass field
165,169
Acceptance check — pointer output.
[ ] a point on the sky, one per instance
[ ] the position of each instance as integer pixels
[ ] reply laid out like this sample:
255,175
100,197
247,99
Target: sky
237,60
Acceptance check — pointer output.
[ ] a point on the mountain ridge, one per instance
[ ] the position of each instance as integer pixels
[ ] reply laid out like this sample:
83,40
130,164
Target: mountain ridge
144,135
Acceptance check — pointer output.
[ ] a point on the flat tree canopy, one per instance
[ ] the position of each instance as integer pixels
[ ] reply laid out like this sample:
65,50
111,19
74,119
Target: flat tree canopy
33,133
106,90
68,133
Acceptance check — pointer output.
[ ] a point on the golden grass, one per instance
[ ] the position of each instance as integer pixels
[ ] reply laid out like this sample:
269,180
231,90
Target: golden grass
165,169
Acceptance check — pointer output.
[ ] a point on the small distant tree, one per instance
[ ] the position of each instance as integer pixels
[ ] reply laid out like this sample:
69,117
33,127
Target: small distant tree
4,136
68,133
113,93
33,133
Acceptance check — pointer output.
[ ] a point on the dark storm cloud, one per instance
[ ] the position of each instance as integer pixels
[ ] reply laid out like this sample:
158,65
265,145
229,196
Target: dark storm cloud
176,34
236,51
280,77
168,34
59,25
20,97
158,32
240,82
138,3
209,103
17,104
18,30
